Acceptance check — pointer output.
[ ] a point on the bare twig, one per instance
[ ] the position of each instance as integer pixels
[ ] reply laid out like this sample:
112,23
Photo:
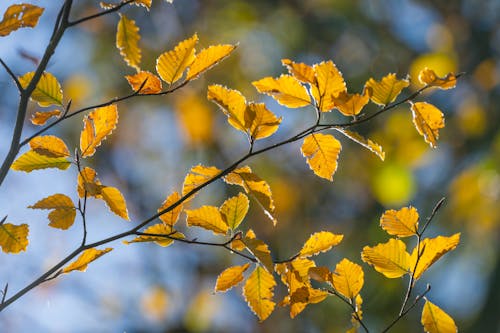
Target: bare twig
104,12
351,305
4,293
12,75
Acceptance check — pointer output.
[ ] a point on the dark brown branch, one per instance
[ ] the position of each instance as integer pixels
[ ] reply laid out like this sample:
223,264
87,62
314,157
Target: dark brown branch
104,12
351,305
12,75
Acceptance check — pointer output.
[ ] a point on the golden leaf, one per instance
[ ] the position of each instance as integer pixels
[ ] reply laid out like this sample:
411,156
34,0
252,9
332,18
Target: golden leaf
197,176
427,119
31,160
97,125
258,292
63,210
232,103
300,71
40,118
84,259
171,64
350,104
348,278
401,223
127,38
259,249
330,84
159,229
230,278
320,242
322,152
367,143
234,210
170,218
13,238
152,85
321,274
144,3
386,90
47,91
390,259
262,122
207,217
49,145
19,16
435,320
115,201
286,90
88,182
429,77
207,58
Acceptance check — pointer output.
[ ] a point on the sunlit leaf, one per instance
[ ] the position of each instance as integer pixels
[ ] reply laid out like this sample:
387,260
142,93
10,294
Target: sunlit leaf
84,259
234,210
350,104
115,201
207,217
321,152
390,259
230,277
231,102
262,122
320,242
435,320
40,118
348,278
98,124
88,183
157,229
260,250
386,90
49,145
401,223
47,91
31,160
197,176
258,292
63,211
13,238
321,274
367,143
127,39
286,90
152,85
330,83
171,64
170,218
207,58
429,77
428,119
300,71
19,16
144,3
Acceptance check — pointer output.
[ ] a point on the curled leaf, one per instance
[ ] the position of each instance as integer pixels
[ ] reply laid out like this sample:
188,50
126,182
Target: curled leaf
386,90
127,38
19,16
98,124
85,259
427,119
429,77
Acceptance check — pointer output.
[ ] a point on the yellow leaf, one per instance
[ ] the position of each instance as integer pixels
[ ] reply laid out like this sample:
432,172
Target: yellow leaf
300,71
330,84
435,320
40,118
207,58
63,210
97,125
260,250
127,38
144,3
258,292
159,229
390,259
322,152
401,223
88,182
301,266
171,64
254,185
19,16
348,278
13,238
84,259
386,90
350,104
207,217
49,145
230,277
321,274
262,122
320,242
429,77
152,85
47,91
115,201
234,210
431,249
232,103
367,143
31,160
197,176
286,90
170,218
428,119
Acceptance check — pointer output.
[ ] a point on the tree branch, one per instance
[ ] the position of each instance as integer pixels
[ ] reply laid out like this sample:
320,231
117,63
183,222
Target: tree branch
105,12
12,75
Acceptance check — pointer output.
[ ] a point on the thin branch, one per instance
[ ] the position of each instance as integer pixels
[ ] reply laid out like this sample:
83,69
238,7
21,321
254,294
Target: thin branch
4,293
105,12
12,75
434,211
351,305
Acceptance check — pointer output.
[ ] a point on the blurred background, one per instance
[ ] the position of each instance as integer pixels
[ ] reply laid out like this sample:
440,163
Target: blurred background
147,288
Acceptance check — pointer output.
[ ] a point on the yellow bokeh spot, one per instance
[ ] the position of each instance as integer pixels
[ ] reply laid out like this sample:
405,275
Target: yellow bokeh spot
195,118
154,303
78,88
439,38
393,185
487,74
440,63
471,117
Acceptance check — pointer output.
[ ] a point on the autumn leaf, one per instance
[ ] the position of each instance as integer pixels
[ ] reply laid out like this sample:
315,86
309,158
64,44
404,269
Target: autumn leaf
320,242
127,38
152,83
350,104
157,229
207,217
171,217
286,90
232,103
321,274
40,118
258,292
322,152
115,201
84,259
262,122
197,176
49,145
330,83
98,124
390,259
386,90
367,143
207,58
88,184
13,238
19,16
144,3
31,160
348,278
302,72
427,119
428,76
259,249
47,91
230,278
171,64
63,211
401,223
435,320
234,210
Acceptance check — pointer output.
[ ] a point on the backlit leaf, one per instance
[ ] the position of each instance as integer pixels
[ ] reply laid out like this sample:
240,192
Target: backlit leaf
144,3
207,217
84,259
97,125
31,160
170,218
63,211
230,277
115,201
390,259
386,90
258,292
320,242
207,58
262,122
367,143
350,104
321,274
300,71
286,90
401,223
88,183
47,91
231,102
428,119
19,16
157,229
260,250
234,210
348,278
13,238
330,84
171,64
49,145
435,320
152,85
322,152
127,39
40,118
197,176
429,77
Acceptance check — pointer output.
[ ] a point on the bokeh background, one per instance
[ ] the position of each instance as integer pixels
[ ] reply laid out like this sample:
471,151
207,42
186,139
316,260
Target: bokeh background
146,288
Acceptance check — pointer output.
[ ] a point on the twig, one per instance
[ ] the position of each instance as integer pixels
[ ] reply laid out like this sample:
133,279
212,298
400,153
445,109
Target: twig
4,293
351,305
12,75
104,12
